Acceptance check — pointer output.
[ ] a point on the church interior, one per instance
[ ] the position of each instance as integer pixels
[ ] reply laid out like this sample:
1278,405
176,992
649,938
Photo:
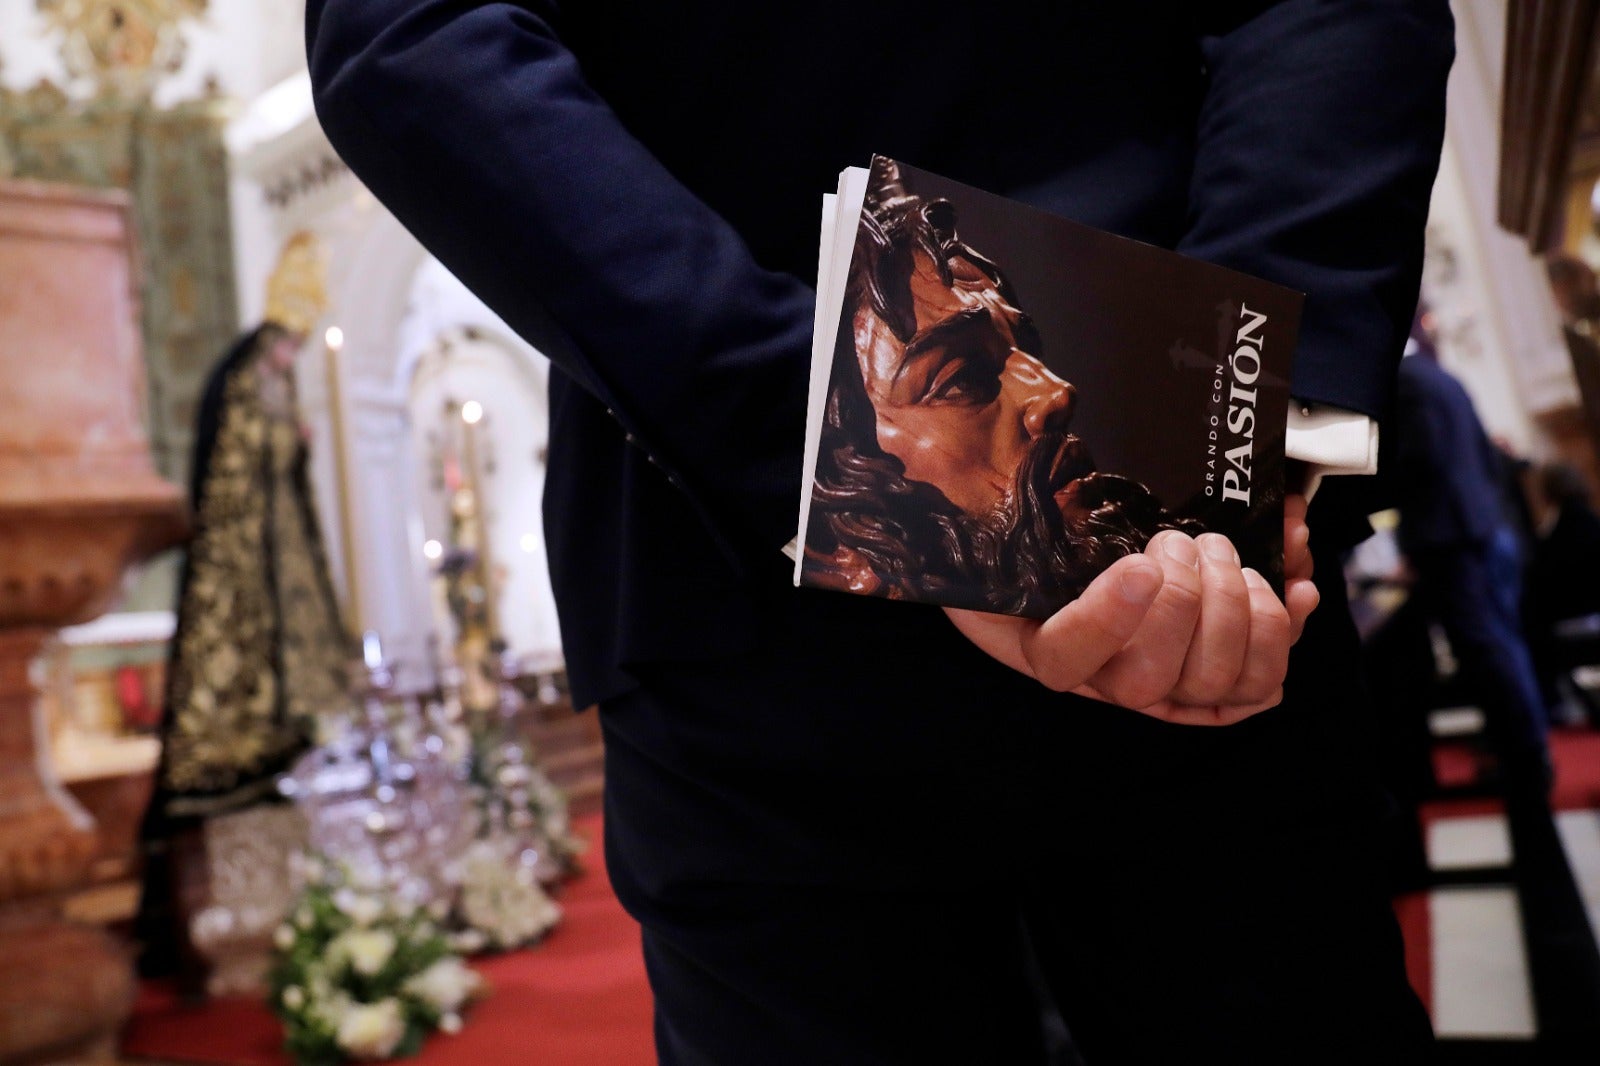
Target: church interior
264,460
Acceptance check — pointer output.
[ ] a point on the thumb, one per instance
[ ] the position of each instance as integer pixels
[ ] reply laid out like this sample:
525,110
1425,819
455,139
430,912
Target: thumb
1073,644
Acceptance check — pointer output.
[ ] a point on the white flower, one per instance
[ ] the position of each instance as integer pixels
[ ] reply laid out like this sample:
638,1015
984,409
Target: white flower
546,914
318,985
503,900
372,1031
304,918
469,941
445,985
306,868
283,937
368,877
324,1005
328,1011
294,997
407,736
457,744
362,909
450,1023
368,950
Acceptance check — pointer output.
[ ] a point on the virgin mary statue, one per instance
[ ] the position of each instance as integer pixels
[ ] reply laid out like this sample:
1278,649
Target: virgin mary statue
260,651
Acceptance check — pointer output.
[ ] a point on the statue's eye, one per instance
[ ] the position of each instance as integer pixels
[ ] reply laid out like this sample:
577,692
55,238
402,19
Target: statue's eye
966,378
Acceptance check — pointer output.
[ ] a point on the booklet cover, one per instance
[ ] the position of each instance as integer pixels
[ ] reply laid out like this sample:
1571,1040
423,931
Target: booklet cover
1004,402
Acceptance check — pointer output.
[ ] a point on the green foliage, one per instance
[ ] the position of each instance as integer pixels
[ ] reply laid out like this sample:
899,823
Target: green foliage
359,974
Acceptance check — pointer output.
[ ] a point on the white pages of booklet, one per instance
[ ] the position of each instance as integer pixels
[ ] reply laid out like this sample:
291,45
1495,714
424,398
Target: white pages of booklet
841,214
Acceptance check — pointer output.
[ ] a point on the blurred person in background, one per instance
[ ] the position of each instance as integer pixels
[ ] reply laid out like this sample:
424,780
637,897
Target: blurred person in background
1458,530
1562,586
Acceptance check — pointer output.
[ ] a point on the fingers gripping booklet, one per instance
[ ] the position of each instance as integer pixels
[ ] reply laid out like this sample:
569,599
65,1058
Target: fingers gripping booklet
1004,402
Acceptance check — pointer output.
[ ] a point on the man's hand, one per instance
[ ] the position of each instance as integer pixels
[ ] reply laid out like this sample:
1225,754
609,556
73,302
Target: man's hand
1180,632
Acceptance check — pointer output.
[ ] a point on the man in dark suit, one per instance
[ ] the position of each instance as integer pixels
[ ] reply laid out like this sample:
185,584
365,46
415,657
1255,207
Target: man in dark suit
1562,584
852,834
1458,531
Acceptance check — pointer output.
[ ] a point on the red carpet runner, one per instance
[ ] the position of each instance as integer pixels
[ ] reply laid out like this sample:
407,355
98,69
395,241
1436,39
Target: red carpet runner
578,999
1576,754
581,999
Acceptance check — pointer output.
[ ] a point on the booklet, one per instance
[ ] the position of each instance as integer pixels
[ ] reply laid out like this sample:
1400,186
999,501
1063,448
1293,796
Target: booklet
1004,402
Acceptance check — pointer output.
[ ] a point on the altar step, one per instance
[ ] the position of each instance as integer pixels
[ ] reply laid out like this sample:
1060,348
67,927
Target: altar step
569,748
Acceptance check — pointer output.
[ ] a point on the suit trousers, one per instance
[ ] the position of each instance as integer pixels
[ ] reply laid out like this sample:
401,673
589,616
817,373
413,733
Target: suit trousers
866,843
1475,592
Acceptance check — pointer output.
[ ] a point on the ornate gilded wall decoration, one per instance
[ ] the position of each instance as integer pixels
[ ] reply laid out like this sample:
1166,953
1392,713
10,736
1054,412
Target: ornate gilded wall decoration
297,182
123,46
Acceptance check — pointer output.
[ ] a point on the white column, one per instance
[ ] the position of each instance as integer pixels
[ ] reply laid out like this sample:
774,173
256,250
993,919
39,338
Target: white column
393,580
1502,331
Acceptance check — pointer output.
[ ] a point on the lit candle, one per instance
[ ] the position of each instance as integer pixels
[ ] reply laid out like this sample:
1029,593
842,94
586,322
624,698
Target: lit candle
333,344
471,416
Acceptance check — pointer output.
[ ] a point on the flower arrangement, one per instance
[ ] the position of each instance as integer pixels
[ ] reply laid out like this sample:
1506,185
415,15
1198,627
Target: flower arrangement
516,798
361,974
548,804
502,905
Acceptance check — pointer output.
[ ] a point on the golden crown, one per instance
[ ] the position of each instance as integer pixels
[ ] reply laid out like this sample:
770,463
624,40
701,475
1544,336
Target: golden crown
297,291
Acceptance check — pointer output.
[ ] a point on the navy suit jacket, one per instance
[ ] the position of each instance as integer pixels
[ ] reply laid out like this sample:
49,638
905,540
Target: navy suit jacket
1450,476
1562,581
635,189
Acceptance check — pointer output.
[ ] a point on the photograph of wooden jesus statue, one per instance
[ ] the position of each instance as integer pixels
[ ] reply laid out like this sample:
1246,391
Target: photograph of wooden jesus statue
978,453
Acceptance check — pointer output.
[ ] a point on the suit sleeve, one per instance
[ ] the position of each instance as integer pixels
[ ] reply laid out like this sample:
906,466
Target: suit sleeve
1318,140
470,120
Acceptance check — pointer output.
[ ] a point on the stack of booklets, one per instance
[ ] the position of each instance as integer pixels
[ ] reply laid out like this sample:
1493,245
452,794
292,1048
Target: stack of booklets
1004,402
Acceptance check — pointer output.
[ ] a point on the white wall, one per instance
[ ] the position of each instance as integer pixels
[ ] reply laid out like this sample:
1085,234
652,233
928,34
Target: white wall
510,381
393,303
1502,333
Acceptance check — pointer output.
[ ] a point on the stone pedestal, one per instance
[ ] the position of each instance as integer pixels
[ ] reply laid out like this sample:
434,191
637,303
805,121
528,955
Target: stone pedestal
79,503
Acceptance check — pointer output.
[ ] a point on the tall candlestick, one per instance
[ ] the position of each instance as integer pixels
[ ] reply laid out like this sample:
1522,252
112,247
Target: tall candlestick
471,415
333,344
